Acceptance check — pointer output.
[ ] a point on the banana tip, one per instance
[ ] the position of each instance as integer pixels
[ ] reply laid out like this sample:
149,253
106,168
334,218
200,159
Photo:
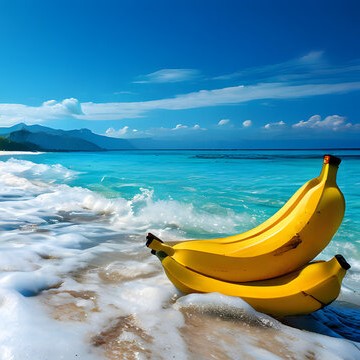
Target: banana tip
343,263
150,237
332,160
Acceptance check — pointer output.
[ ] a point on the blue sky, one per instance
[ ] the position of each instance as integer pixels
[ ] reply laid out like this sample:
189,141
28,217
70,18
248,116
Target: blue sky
194,73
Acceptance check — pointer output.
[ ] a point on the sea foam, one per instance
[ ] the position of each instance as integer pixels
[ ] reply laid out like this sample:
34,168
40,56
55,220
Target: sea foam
76,280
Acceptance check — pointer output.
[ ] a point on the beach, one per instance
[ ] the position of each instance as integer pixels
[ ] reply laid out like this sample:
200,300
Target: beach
78,282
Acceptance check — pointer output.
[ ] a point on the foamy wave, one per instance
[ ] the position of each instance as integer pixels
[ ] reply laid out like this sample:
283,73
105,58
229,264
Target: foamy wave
177,218
226,306
233,310
99,291
12,153
38,183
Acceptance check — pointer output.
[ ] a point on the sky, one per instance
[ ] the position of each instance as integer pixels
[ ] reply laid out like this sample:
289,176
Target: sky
190,73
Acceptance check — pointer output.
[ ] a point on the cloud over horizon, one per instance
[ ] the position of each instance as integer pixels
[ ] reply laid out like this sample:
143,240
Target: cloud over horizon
308,77
247,123
72,108
275,125
333,123
313,73
11,114
224,122
210,98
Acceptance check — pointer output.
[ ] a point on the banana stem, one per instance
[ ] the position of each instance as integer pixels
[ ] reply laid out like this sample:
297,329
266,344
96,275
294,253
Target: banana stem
154,243
329,170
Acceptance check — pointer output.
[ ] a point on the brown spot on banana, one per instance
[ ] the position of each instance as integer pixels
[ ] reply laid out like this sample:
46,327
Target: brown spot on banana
290,245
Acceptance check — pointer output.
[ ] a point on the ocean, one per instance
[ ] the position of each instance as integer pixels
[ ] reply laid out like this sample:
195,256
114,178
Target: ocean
78,282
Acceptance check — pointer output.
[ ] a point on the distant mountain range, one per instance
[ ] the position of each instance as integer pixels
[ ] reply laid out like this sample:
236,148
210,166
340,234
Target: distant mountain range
40,138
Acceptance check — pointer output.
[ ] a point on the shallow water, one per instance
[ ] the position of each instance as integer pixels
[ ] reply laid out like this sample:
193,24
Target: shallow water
77,282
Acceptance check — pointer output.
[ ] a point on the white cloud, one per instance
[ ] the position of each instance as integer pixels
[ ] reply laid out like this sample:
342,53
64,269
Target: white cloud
300,67
312,57
127,133
208,98
332,122
223,122
247,123
124,132
117,133
110,131
275,125
185,127
12,113
71,108
180,126
124,92
66,107
169,76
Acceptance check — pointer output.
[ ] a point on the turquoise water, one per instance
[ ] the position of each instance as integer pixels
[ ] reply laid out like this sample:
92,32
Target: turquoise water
80,220
241,184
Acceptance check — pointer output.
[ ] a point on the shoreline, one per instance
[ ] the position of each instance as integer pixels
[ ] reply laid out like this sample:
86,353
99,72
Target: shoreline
7,153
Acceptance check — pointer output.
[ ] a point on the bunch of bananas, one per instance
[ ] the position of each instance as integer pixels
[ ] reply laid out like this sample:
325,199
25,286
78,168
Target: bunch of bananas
269,266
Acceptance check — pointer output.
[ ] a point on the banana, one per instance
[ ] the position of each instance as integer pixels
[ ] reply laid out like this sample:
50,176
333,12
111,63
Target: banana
295,235
301,292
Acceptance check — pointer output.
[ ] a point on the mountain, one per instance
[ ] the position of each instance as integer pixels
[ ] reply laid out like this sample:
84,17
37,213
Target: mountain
30,128
37,137
49,142
104,142
9,145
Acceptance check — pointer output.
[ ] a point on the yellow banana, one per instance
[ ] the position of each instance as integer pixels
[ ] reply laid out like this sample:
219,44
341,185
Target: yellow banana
294,236
301,292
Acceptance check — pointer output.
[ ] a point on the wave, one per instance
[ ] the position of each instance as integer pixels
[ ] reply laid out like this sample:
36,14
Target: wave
43,196
74,262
